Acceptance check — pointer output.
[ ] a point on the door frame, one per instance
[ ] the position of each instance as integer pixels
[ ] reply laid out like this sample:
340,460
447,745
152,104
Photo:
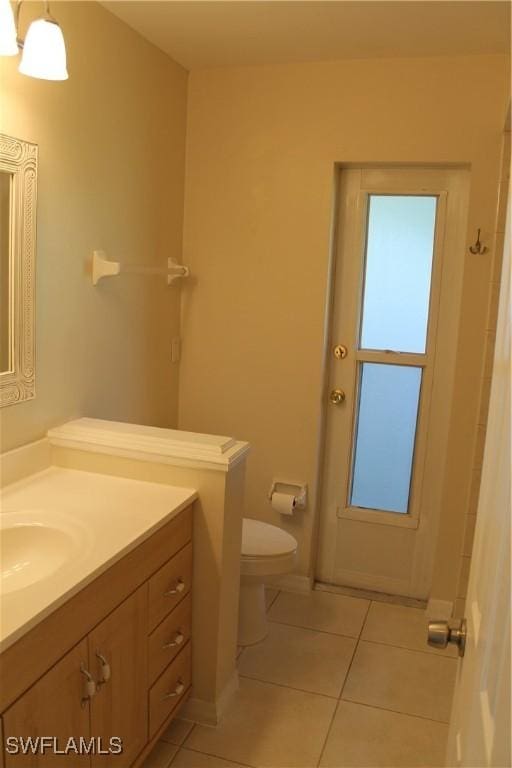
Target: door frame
449,298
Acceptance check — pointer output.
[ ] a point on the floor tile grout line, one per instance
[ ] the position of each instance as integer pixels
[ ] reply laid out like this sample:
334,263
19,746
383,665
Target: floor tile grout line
385,709
289,687
218,757
412,650
328,733
343,686
369,706
269,606
360,637
187,737
313,629
173,758
364,621
356,646
396,711
162,737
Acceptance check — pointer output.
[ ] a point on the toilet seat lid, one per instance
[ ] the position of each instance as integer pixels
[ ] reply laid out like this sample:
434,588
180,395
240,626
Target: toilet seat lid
264,540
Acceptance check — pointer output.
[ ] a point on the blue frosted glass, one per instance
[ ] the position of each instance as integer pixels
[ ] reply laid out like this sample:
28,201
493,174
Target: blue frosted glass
385,434
399,250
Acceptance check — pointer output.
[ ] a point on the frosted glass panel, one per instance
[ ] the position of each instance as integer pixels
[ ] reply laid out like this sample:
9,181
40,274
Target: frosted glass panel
385,434
399,249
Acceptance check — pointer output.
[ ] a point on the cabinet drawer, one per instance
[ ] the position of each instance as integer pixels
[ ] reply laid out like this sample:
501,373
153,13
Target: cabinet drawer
169,585
169,689
169,638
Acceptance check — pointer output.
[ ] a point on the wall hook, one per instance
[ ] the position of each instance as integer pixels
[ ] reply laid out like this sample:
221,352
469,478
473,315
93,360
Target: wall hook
478,247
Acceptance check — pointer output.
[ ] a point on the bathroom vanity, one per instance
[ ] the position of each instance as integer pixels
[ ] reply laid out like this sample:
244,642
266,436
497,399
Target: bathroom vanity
105,530
100,647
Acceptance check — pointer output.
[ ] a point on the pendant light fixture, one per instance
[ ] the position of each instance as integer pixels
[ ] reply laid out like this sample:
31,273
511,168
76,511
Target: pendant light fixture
43,50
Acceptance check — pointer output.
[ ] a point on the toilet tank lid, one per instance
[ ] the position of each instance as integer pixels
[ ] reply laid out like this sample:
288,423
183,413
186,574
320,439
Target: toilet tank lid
264,540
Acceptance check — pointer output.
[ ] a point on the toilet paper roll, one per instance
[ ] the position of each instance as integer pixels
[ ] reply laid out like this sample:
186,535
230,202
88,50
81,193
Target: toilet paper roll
284,503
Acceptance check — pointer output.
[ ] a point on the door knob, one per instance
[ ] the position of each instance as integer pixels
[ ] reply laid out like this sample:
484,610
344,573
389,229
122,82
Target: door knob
440,633
337,396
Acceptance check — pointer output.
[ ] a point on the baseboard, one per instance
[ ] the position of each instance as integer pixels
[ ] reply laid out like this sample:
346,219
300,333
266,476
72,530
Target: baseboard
439,609
368,594
210,712
292,582
370,581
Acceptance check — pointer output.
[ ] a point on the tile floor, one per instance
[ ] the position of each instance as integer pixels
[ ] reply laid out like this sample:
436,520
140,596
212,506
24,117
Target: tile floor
339,682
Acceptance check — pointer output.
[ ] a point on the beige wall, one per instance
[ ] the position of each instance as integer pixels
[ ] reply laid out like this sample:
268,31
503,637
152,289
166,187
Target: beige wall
111,168
261,148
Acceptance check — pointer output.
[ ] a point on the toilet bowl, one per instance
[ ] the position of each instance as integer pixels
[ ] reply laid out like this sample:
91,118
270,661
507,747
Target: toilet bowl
267,552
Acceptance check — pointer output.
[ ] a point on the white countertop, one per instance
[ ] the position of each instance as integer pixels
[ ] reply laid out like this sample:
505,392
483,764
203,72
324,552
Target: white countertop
103,517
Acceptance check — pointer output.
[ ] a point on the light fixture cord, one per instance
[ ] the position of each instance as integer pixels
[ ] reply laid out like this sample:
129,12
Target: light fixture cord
17,13
18,9
19,41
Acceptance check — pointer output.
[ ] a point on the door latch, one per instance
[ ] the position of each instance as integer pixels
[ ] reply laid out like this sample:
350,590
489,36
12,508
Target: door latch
340,351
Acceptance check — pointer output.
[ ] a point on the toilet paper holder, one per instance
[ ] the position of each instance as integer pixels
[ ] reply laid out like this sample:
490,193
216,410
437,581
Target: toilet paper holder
299,490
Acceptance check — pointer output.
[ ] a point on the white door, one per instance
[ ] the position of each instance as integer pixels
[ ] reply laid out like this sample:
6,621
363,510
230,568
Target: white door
480,723
398,274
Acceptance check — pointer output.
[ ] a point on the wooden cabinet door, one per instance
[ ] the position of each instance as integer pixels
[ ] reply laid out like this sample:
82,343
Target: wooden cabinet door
120,707
51,708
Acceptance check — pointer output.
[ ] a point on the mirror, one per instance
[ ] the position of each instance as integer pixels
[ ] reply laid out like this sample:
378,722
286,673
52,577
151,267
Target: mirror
18,193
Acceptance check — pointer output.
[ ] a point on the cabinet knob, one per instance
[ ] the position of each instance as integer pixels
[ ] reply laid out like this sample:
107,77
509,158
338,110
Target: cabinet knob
177,691
90,685
105,669
176,590
177,640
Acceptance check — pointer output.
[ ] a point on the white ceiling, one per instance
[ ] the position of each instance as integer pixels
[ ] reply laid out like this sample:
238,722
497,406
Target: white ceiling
219,33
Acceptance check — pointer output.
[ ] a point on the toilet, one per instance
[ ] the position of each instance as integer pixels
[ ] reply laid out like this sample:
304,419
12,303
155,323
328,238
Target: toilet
267,552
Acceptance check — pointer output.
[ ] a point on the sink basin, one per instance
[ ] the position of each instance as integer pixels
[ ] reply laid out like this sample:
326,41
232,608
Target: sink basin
30,553
34,546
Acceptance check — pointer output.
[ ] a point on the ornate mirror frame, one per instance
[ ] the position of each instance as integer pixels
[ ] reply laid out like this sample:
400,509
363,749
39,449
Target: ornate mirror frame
19,158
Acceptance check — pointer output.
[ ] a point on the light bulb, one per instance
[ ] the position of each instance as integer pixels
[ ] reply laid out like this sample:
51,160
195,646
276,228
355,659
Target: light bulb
44,52
8,44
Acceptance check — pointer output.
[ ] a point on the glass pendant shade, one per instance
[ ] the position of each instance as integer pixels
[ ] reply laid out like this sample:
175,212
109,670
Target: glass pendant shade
44,51
8,44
